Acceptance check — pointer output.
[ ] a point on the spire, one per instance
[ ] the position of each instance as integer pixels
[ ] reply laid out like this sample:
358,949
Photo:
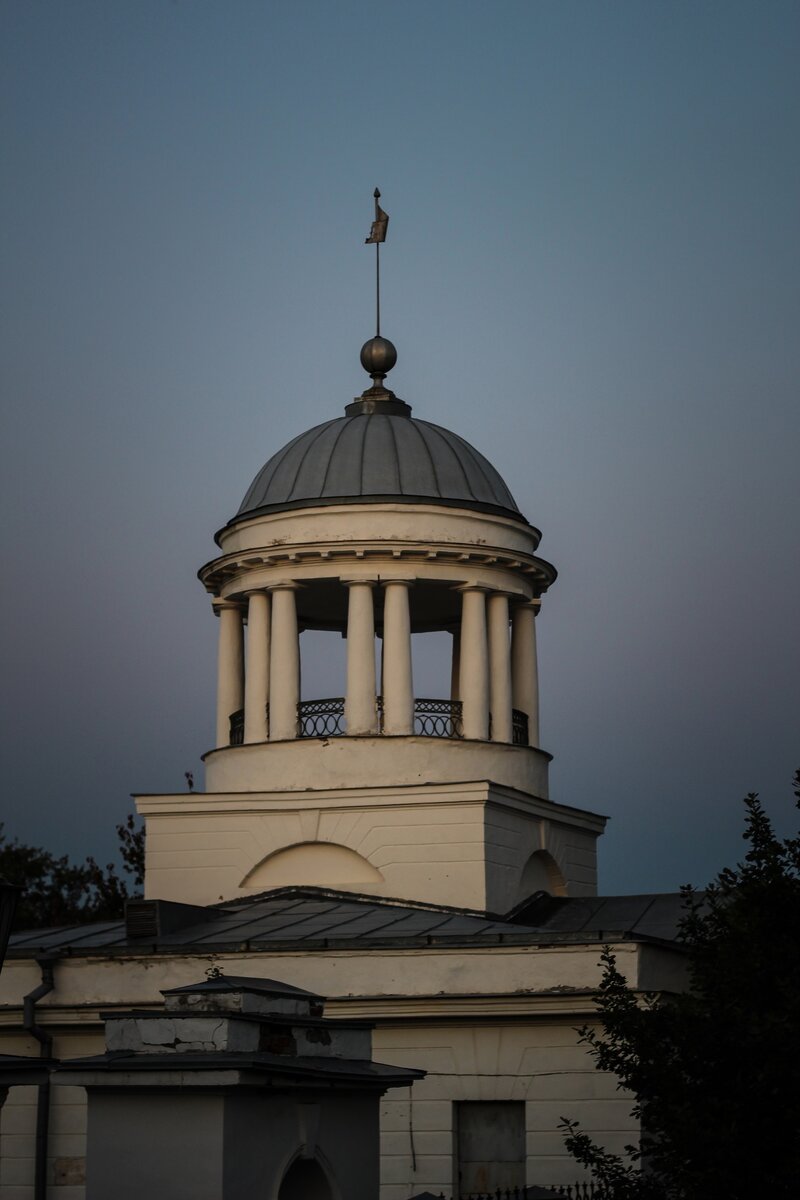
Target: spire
378,355
377,234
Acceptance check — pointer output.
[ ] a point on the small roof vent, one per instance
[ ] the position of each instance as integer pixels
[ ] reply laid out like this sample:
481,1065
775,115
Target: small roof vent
153,919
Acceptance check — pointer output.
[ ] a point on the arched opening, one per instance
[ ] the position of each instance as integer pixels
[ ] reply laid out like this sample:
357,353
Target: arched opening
541,873
305,1180
315,864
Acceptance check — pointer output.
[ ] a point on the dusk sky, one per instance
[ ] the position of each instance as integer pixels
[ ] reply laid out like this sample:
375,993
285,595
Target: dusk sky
591,274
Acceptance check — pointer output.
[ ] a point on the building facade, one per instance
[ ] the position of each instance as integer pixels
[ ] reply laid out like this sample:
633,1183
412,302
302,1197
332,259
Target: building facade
399,854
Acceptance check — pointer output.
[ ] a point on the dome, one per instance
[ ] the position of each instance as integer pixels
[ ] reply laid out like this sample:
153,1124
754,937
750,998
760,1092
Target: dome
378,456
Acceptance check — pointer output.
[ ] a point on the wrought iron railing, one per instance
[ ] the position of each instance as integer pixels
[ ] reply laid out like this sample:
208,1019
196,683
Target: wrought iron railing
555,1191
438,718
321,718
519,728
237,727
432,718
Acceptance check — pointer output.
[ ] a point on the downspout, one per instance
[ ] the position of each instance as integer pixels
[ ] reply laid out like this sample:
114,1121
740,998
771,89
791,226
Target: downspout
45,1051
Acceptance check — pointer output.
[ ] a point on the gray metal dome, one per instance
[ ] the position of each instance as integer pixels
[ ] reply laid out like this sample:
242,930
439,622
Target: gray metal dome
376,456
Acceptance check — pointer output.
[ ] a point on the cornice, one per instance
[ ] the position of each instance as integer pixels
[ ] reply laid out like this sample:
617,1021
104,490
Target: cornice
520,1007
220,571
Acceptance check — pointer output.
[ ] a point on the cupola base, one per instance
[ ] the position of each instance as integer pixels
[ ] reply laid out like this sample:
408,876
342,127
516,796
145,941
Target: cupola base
471,844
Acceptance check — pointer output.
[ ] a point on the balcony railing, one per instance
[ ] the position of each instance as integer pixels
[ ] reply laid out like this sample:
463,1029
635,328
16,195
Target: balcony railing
432,718
237,727
519,728
321,718
438,718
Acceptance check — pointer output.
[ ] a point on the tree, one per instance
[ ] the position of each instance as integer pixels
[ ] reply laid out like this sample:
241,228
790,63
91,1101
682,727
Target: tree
131,849
714,1072
59,892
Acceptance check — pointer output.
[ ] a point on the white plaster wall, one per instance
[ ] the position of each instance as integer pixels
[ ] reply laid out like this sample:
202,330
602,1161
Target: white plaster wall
541,1064
382,761
17,1131
427,851
66,1160
351,523
512,835
458,844
501,1031
369,978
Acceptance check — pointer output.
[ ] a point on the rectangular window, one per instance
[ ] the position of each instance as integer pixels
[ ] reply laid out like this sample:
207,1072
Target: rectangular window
490,1145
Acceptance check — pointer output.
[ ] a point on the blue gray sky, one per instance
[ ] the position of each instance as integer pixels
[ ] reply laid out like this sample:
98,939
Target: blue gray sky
591,274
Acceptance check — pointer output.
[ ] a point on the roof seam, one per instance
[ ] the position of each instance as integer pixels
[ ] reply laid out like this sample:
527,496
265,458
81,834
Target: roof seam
440,432
478,460
396,457
305,455
417,429
362,455
345,423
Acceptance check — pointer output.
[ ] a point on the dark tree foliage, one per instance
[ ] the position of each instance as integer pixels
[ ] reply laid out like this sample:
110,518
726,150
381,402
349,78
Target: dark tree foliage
59,892
131,849
715,1071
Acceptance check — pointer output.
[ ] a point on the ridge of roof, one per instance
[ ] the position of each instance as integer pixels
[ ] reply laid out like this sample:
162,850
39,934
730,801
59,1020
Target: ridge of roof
314,892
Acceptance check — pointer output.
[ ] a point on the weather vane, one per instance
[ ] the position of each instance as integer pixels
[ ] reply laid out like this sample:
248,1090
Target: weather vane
377,234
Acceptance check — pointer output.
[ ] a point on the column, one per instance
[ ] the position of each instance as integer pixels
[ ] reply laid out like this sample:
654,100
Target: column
230,667
256,676
398,692
284,664
360,707
455,666
499,667
474,664
524,671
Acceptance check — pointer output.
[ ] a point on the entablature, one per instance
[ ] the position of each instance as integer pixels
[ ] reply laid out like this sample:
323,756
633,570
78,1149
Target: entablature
526,574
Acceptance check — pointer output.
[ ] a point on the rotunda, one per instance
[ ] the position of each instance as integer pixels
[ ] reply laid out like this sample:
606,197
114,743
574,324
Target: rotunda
379,526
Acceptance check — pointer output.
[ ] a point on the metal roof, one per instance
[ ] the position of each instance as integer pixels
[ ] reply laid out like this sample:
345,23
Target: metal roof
377,456
242,983
652,916
312,1069
308,918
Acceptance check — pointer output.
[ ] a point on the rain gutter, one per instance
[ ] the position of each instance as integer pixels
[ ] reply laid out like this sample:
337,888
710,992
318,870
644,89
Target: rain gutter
30,1025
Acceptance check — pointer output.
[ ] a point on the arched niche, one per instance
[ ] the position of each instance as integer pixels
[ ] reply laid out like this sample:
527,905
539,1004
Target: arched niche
541,873
315,864
305,1180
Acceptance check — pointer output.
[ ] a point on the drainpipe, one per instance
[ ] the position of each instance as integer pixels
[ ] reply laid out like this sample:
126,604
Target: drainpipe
45,1050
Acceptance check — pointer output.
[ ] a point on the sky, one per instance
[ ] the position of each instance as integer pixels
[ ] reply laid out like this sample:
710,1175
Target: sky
591,274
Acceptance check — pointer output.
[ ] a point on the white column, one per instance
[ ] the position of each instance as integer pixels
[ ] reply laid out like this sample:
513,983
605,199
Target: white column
398,691
256,676
230,668
455,666
524,671
360,707
499,667
284,664
474,664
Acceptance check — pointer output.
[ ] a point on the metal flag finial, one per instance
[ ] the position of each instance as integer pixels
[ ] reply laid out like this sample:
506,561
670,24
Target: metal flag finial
377,234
